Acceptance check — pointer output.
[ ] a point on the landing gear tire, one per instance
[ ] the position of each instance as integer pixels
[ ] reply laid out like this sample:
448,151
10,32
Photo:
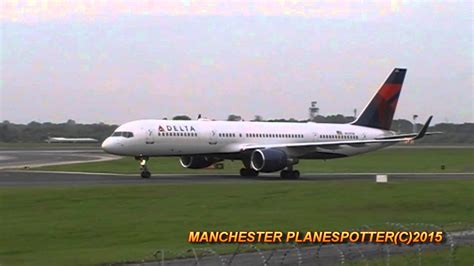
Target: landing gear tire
145,174
248,172
144,170
296,174
285,174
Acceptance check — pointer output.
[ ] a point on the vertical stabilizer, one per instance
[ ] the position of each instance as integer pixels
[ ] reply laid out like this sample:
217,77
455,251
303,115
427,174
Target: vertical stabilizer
380,110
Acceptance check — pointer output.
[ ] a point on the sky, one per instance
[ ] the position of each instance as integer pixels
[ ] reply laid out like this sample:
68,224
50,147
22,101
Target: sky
117,61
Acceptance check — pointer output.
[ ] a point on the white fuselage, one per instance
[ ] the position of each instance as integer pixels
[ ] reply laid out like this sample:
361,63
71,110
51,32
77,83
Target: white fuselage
226,139
71,140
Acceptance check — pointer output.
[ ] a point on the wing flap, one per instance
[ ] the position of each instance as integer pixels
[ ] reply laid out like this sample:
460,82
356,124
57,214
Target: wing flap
410,135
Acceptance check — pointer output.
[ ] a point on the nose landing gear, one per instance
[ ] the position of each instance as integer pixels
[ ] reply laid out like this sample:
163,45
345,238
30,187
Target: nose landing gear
144,173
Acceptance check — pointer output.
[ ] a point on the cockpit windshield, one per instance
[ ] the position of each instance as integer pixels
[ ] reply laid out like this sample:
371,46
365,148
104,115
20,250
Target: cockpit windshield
125,134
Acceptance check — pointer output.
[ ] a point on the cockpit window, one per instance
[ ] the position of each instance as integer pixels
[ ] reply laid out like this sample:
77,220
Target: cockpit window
125,134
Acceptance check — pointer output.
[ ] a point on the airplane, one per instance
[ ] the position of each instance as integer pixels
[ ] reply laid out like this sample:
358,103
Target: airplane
264,146
70,140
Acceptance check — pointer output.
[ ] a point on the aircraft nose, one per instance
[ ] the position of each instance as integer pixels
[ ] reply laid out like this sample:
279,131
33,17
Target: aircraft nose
113,146
106,145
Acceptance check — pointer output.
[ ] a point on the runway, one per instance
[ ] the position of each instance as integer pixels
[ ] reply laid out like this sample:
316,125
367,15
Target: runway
32,158
30,178
15,171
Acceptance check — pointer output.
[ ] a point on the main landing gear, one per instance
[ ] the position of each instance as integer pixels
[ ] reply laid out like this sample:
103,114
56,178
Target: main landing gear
290,173
144,173
248,172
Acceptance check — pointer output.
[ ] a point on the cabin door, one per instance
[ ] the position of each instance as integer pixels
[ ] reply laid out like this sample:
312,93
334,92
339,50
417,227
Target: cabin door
150,136
213,137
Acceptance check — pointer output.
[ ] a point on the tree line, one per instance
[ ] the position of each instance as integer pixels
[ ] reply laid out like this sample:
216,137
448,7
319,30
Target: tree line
39,132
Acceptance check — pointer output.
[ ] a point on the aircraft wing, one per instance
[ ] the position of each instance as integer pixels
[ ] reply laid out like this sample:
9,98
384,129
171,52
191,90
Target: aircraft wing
329,144
410,135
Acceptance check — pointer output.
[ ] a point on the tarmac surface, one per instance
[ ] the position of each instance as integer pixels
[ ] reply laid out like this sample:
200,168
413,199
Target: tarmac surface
31,178
31,158
15,171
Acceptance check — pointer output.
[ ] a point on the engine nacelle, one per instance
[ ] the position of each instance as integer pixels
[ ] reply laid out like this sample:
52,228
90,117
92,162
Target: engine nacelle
196,162
268,160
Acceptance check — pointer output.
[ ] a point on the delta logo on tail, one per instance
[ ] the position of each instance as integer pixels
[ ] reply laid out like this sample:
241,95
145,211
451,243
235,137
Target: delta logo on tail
379,112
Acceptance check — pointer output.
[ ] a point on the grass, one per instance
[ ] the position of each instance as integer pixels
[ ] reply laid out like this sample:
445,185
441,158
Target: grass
462,256
93,225
388,160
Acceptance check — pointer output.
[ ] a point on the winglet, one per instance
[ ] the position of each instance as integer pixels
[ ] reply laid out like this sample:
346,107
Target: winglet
422,132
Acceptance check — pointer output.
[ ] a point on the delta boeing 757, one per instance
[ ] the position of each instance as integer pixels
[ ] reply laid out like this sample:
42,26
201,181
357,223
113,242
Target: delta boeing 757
264,146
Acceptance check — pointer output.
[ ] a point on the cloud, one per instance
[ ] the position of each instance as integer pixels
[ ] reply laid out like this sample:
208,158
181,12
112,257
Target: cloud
28,11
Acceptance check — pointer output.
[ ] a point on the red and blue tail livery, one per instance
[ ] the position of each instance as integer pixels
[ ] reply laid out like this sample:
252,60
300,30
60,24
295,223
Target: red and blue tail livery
380,110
